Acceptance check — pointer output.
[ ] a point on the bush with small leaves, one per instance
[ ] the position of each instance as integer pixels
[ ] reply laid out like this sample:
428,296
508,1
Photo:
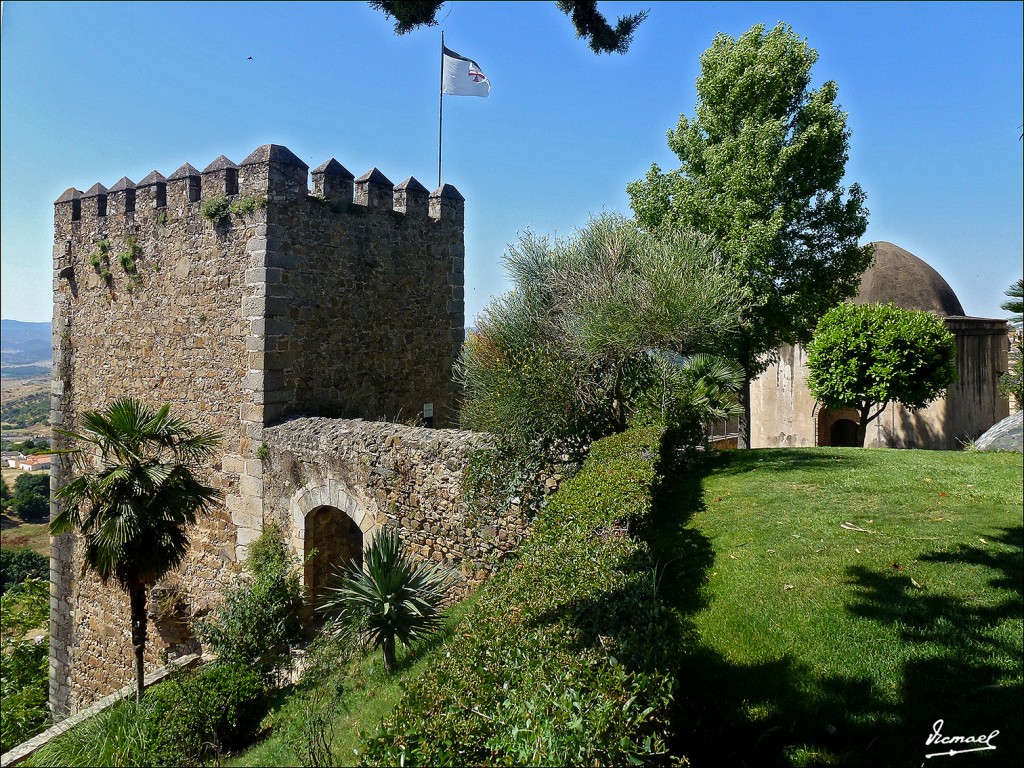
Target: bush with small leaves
16,565
25,662
216,209
261,613
193,717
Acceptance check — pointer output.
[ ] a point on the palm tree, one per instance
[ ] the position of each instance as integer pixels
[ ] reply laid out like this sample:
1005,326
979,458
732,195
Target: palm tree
392,599
133,498
1015,293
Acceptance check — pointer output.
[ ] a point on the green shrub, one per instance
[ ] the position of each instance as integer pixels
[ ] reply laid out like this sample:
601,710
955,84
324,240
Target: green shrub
128,256
189,719
215,209
102,253
193,717
244,206
16,565
261,614
25,608
23,691
24,664
564,659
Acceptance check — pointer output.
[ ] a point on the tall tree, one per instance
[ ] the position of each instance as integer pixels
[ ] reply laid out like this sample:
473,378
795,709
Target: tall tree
869,355
1012,382
133,498
589,23
761,166
1015,303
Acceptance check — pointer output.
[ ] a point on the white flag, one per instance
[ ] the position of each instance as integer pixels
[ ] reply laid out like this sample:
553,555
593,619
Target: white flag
462,76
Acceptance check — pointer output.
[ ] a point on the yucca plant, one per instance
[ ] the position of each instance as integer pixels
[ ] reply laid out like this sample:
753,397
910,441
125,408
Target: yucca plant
391,599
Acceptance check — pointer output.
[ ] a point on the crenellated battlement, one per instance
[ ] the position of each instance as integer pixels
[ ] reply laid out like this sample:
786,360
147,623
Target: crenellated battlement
271,172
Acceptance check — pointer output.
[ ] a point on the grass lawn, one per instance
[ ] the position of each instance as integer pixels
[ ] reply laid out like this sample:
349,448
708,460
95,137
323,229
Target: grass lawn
15,534
836,603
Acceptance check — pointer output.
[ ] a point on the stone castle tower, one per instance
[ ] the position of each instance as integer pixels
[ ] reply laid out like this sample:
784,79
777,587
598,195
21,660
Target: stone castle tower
242,298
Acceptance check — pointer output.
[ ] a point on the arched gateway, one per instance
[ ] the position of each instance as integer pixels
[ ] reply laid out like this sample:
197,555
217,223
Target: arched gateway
330,528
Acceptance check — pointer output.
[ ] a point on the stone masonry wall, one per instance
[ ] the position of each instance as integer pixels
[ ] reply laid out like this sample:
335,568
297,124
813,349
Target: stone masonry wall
170,333
370,300
387,474
290,303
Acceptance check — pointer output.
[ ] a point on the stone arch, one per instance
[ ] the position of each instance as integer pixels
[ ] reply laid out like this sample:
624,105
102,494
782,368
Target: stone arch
834,427
327,518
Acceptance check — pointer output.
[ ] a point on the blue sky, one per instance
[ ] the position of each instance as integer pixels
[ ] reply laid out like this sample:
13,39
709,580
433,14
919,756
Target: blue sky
95,91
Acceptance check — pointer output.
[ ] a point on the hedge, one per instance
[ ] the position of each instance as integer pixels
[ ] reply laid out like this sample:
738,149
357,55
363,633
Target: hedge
564,659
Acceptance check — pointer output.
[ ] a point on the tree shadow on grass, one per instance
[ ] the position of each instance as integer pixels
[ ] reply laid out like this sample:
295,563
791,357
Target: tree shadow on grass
725,714
781,713
778,460
968,675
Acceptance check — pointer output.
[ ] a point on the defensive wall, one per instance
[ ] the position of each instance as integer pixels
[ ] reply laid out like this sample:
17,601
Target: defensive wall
334,483
246,300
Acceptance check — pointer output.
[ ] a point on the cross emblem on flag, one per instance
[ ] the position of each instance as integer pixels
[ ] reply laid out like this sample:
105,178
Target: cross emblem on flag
461,76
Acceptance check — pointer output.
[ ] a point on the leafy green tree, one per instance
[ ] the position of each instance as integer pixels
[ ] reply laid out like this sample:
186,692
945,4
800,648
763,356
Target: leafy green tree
133,498
589,23
31,499
5,494
761,166
869,355
567,355
23,672
261,615
391,599
17,565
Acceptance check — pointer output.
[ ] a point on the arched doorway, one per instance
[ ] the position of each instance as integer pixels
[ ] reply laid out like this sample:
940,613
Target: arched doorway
837,428
332,540
843,434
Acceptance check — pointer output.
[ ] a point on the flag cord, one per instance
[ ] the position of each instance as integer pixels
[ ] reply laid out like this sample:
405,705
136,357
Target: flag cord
440,112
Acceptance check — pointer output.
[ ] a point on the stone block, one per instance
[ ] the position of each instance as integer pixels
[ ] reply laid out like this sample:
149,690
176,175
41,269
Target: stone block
232,463
245,537
250,486
253,381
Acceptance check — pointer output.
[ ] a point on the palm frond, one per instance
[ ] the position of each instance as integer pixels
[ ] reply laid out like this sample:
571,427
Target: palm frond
135,495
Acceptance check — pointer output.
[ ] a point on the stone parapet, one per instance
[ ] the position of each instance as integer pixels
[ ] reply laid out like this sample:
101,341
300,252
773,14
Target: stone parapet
381,474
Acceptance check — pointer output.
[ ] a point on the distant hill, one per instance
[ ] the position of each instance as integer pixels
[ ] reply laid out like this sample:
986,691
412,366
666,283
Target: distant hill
24,349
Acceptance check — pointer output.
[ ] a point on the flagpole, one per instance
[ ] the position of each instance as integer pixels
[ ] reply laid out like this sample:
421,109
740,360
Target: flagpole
440,112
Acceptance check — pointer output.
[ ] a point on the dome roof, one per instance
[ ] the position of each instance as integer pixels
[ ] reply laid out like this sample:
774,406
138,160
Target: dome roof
899,277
